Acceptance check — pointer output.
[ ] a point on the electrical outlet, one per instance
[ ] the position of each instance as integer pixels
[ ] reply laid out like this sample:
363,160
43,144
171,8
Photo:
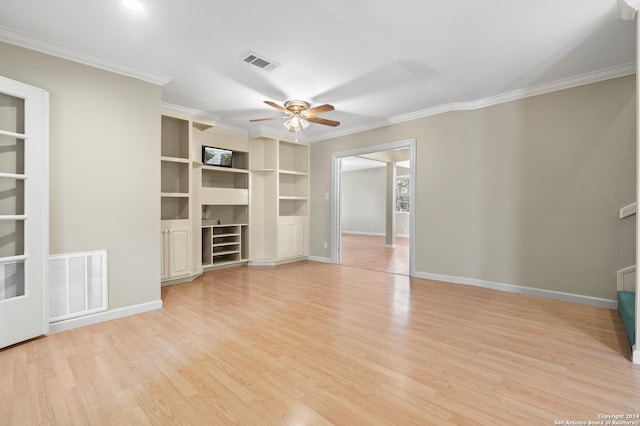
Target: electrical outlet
325,244
326,197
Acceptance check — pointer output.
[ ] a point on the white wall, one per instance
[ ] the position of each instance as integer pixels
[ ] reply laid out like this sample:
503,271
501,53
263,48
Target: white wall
104,167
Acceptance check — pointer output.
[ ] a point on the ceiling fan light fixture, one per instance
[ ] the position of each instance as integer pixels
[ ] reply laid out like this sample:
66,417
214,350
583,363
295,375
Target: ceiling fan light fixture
299,114
289,124
296,123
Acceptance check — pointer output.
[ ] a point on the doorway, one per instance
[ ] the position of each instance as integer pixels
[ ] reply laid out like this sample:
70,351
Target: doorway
372,221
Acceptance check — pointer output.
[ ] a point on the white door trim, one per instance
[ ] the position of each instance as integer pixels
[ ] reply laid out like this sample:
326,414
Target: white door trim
336,158
34,305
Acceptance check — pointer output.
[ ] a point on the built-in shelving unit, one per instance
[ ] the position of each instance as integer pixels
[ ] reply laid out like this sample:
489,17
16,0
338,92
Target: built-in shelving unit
222,199
213,216
293,179
175,197
280,198
174,167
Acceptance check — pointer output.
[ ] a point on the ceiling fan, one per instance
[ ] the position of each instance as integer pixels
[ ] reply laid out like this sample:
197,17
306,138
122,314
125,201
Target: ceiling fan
299,114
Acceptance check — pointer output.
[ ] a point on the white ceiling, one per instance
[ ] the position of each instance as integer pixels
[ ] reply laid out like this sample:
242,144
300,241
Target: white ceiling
376,62
350,164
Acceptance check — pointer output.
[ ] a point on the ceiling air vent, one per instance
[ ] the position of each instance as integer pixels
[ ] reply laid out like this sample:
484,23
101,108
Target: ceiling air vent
259,61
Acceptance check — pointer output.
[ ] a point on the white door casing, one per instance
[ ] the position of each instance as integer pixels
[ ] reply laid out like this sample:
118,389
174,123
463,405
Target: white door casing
336,158
24,211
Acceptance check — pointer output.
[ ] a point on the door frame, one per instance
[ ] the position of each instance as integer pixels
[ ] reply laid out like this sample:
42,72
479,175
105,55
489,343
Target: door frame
36,199
336,226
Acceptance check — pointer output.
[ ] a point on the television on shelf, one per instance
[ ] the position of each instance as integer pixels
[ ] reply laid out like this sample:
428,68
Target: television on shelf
217,157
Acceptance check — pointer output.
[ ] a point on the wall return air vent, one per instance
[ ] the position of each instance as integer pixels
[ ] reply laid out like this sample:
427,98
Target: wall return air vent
259,61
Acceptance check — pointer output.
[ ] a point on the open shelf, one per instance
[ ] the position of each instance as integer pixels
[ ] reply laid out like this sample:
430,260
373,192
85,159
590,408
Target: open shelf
174,137
294,157
175,177
226,214
223,244
172,207
293,207
293,185
219,177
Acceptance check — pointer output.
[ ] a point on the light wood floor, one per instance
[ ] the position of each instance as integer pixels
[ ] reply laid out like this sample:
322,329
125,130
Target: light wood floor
312,343
369,252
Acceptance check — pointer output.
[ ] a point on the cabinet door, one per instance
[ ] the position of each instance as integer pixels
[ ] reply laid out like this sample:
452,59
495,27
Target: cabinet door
297,238
164,254
178,252
284,240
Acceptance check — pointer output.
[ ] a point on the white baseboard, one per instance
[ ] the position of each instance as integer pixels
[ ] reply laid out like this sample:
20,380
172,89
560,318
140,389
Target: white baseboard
372,234
181,280
636,354
628,210
104,316
530,291
320,259
262,263
275,262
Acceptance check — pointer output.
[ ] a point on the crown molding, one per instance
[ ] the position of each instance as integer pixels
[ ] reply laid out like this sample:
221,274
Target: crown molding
627,9
541,89
634,4
190,113
65,52
232,129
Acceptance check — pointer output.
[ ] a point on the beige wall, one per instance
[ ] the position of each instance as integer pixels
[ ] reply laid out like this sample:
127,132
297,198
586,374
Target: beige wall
524,193
104,168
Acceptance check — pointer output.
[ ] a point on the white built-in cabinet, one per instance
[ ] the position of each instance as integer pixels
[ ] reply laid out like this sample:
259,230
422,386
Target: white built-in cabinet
291,237
280,200
175,251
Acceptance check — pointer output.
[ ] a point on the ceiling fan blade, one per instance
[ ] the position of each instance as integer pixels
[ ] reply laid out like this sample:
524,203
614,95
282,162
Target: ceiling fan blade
318,110
265,119
323,121
276,106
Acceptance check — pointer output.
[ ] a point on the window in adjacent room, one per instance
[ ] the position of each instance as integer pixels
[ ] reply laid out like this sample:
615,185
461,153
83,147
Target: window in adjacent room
402,194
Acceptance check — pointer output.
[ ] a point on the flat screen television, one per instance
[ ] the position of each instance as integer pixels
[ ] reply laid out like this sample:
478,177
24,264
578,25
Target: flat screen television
217,157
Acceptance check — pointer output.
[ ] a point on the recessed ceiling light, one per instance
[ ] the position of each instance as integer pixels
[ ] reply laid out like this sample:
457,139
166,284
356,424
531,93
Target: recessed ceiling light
134,5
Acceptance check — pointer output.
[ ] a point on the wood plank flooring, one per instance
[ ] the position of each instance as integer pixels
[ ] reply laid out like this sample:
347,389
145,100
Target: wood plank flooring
369,252
312,344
